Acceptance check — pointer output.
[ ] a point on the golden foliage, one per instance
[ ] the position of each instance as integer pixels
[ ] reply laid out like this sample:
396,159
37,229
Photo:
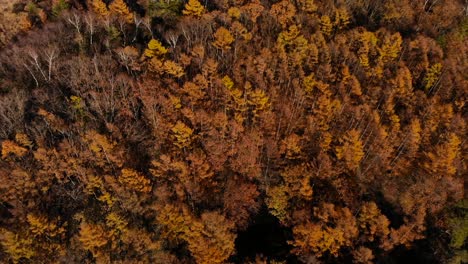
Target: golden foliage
119,8
100,7
173,69
182,134
211,240
287,37
103,148
155,48
284,12
441,161
223,39
390,47
325,141
135,181
240,30
193,8
326,26
308,6
341,18
10,148
40,226
234,12
24,140
259,100
367,41
297,180
176,222
291,147
432,76
315,238
117,225
372,222
337,228
93,238
351,150
277,202
15,246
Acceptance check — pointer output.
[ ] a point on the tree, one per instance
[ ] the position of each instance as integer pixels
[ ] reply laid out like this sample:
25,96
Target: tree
390,48
193,8
363,255
182,134
326,26
100,8
135,181
94,238
223,39
351,150
16,246
372,222
277,202
284,12
441,162
173,69
337,228
120,9
10,148
211,241
241,201
155,48
432,76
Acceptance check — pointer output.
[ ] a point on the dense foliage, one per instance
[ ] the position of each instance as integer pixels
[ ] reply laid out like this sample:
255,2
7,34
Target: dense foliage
169,131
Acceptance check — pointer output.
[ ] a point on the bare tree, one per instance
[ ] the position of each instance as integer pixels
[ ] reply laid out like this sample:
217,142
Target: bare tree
51,54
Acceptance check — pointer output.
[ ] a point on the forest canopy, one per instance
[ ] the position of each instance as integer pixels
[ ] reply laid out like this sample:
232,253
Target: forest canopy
233,131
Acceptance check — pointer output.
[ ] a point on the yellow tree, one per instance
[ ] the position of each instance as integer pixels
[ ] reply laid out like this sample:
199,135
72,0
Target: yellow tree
326,26
223,39
284,12
93,238
155,48
15,246
351,150
314,238
335,229
193,8
212,239
341,18
390,47
173,69
99,7
40,226
135,181
308,6
119,8
442,160
432,75
277,202
372,222
10,148
182,134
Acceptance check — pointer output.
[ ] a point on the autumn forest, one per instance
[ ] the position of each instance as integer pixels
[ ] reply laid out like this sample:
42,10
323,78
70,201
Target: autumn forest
233,131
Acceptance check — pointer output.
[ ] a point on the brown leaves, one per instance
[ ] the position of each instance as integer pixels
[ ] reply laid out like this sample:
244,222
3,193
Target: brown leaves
241,201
